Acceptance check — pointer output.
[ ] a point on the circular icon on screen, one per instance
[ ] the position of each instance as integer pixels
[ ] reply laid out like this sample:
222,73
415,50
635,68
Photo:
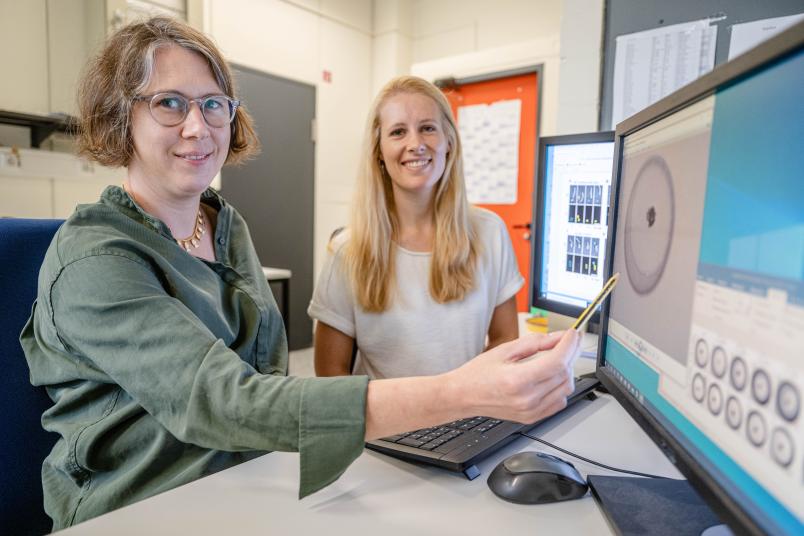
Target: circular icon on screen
649,225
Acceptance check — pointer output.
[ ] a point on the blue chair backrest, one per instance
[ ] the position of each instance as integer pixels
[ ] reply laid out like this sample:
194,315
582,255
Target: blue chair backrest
24,444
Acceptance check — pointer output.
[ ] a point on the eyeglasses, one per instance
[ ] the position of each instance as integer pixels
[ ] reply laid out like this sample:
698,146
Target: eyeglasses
170,109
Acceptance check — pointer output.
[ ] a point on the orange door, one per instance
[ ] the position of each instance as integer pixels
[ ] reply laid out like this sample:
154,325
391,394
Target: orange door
517,216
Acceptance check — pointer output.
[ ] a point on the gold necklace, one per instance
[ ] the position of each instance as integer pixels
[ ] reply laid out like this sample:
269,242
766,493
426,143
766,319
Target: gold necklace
194,240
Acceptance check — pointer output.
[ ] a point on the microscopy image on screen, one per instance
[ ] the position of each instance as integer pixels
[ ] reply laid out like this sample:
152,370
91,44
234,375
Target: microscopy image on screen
583,254
585,204
649,224
658,235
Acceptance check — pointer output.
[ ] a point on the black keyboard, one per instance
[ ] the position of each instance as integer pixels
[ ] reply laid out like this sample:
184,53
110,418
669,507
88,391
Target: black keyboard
458,445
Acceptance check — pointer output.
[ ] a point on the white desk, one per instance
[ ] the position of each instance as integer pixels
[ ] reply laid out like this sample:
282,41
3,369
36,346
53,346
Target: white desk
392,496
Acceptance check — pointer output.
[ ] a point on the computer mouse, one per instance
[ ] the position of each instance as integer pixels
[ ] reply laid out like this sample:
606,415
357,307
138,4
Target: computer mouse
536,478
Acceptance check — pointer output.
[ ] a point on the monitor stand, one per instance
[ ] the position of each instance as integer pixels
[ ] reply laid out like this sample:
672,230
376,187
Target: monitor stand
655,506
593,327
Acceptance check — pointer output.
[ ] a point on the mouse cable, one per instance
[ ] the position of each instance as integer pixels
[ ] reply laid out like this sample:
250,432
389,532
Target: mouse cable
604,466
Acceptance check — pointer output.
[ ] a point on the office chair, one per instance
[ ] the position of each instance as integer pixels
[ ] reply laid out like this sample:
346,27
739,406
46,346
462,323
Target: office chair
24,444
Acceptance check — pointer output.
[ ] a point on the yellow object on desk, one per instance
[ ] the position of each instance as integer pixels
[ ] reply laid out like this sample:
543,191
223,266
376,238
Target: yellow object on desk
537,324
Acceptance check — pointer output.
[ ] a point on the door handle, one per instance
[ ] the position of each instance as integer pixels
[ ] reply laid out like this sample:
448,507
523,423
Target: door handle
526,226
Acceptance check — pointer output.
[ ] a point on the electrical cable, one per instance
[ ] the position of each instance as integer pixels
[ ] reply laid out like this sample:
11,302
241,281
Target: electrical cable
587,460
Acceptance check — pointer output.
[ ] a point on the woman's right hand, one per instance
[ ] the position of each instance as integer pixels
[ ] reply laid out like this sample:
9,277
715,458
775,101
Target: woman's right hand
524,380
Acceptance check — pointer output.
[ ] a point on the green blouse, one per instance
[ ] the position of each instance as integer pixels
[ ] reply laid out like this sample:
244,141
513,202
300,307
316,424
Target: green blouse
164,368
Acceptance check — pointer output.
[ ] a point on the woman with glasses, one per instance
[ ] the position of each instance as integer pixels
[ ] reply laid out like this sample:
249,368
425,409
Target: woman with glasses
155,332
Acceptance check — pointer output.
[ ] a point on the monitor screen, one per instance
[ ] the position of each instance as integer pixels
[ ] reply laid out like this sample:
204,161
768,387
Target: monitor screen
703,340
571,220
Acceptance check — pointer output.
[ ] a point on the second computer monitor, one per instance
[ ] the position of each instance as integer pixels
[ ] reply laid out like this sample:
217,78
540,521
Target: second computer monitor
571,221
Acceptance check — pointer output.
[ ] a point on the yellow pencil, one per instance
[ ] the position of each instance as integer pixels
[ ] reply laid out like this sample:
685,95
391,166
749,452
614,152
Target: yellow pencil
581,321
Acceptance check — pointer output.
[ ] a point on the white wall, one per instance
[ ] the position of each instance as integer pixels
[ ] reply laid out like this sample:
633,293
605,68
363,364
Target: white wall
75,30
392,46
455,27
581,49
45,184
472,37
23,55
299,40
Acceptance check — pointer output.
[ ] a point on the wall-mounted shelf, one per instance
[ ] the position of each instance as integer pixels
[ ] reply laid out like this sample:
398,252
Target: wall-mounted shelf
41,126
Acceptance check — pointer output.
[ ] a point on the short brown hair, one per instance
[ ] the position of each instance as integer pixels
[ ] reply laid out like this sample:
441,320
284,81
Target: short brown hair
123,69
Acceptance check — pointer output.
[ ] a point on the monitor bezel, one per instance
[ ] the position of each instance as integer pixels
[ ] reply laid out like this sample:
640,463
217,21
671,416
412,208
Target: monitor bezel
717,496
537,228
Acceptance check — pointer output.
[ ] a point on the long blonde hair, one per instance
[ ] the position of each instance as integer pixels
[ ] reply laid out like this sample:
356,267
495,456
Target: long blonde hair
374,226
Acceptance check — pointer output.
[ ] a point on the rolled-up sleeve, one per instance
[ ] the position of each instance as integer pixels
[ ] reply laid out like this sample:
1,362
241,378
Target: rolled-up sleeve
332,429
114,312
333,302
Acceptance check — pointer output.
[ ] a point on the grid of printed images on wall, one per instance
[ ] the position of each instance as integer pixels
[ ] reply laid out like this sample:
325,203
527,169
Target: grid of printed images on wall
585,208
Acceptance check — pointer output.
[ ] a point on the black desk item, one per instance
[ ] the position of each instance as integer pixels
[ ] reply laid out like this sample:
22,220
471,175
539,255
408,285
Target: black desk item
531,477
656,506
458,445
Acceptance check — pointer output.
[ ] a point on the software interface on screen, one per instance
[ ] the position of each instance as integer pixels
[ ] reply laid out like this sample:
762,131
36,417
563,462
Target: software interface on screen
706,327
577,178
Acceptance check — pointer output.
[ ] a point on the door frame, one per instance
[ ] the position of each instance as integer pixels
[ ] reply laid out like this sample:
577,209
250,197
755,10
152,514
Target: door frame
538,70
287,295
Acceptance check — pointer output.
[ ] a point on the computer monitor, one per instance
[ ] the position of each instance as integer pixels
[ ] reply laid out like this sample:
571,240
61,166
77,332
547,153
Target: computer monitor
702,341
571,221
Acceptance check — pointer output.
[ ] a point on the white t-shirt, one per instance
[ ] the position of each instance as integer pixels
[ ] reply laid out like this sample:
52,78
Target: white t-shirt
417,336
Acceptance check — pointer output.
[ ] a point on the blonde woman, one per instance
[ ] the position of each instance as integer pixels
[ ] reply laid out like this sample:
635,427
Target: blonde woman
421,281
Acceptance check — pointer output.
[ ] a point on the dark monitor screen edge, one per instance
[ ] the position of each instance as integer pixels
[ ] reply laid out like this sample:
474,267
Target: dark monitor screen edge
570,221
702,344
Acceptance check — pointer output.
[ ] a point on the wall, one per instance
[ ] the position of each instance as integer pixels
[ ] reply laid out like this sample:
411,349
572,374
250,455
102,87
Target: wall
455,27
43,46
392,43
75,29
578,100
482,37
45,184
23,54
299,40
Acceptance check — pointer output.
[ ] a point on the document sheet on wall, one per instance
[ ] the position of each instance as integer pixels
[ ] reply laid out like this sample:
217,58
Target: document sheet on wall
652,64
490,139
747,35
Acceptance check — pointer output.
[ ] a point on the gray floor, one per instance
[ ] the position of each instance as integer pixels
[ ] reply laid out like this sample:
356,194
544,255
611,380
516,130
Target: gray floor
301,363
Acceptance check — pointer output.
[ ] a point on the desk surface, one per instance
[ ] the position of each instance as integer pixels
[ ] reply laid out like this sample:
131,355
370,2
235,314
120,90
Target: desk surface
378,492
276,274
